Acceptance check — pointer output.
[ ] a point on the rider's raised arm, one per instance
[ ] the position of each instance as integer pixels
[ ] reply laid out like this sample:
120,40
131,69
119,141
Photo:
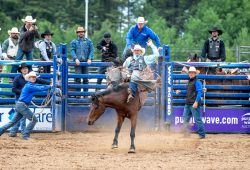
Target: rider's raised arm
151,59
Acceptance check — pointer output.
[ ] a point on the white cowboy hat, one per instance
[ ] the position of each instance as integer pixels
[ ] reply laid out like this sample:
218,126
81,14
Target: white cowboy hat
141,20
138,47
30,74
193,69
13,30
29,18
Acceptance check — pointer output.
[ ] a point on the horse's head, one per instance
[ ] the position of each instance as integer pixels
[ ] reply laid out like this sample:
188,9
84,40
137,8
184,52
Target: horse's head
97,108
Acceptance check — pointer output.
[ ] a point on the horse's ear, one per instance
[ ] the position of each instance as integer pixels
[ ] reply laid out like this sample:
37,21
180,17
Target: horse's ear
95,100
195,56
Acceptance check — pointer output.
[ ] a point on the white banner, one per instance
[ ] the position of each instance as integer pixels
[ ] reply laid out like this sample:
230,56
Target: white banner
44,117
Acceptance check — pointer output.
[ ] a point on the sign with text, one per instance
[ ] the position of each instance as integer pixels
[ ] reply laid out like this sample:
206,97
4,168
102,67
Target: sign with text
44,117
219,119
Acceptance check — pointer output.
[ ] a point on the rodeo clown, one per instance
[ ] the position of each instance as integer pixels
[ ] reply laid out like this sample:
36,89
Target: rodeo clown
136,64
22,105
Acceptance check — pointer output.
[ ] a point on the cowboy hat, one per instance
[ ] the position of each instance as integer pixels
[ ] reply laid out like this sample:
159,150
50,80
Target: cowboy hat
80,29
31,74
141,20
46,32
13,30
193,69
29,18
214,29
22,66
138,47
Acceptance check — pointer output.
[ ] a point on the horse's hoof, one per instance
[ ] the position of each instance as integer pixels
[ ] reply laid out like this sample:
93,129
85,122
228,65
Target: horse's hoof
114,146
131,150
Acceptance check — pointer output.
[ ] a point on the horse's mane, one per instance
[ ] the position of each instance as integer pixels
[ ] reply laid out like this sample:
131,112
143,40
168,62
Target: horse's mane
117,88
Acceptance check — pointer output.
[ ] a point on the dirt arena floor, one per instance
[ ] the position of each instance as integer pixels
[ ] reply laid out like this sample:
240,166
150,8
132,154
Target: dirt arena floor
154,150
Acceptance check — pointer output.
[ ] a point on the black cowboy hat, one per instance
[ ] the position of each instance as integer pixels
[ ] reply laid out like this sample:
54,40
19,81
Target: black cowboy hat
46,32
22,66
215,29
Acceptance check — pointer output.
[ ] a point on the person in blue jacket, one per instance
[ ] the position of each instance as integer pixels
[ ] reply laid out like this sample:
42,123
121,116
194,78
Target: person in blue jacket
22,105
193,99
140,34
18,84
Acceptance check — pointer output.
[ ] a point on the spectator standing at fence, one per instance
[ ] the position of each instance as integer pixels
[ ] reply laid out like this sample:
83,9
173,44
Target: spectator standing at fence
28,34
214,48
47,49
140,34
9,50
18,84
22,105
192,106
109,52
82,50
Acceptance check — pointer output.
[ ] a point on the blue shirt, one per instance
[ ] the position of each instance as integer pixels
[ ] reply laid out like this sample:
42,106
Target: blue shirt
28,91
82,49
198,88
19,82
134,36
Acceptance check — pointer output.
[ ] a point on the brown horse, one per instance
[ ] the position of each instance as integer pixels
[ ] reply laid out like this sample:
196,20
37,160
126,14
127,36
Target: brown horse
116,98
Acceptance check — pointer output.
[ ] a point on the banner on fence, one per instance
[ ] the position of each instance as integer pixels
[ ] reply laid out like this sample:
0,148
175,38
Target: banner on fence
44,118
227,120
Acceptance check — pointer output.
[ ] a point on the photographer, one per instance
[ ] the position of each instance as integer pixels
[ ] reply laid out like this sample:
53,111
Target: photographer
109,52
28,33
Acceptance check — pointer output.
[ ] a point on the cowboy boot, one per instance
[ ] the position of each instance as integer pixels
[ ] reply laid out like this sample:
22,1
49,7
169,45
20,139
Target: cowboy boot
130,96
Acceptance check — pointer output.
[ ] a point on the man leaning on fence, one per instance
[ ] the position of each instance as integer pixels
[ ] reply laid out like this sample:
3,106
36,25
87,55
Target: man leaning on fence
214,48
82,50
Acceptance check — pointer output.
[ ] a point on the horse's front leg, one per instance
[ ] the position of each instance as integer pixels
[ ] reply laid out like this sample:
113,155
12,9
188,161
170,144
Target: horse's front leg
120,120
133,120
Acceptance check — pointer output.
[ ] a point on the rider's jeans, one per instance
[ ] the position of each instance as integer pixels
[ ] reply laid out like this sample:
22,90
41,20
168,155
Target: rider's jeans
133,87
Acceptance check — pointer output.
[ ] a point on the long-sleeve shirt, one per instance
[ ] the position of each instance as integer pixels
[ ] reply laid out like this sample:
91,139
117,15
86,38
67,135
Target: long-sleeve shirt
135,36
82,49
42,47
19,82
111,50
27,39
148,59
29,90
